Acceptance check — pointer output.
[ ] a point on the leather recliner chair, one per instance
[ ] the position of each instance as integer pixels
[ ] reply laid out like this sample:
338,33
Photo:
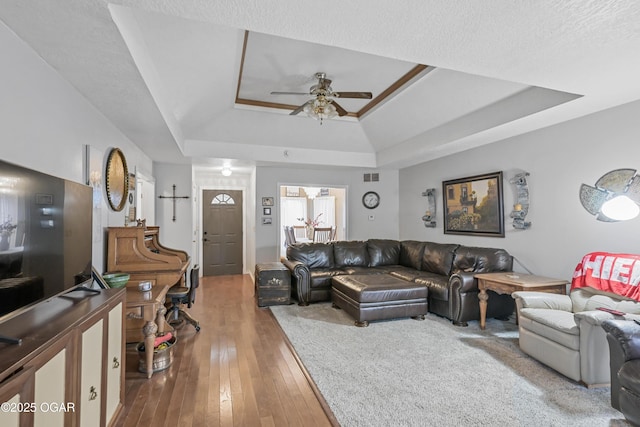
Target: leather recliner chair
564,331
624,347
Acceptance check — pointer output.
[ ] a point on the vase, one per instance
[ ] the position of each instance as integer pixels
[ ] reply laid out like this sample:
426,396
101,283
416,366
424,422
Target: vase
4,242
309,232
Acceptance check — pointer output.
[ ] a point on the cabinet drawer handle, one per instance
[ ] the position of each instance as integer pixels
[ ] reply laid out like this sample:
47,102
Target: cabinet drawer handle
93,394
116,363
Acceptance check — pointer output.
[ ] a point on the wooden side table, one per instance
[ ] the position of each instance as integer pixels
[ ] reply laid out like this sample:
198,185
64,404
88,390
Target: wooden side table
507,283
151,303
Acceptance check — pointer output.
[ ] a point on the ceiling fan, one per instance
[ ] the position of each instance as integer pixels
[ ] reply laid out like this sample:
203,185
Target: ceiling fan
323,105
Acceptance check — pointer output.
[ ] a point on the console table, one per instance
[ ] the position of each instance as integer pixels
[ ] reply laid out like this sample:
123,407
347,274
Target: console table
507,283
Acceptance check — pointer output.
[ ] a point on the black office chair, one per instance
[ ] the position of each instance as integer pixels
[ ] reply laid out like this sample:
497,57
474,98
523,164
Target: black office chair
180,295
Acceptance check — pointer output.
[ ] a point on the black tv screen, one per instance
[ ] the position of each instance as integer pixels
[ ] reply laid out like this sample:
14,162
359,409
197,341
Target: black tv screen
45,237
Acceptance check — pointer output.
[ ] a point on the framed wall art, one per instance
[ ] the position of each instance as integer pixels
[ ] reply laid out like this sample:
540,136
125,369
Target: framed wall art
474,205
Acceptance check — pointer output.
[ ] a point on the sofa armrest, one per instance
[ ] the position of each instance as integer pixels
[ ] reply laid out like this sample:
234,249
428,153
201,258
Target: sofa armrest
300,279
463,282
597,317
626,334
289,264
531,299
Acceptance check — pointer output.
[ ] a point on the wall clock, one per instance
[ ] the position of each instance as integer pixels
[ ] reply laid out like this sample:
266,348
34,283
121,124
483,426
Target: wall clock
117,177
371,200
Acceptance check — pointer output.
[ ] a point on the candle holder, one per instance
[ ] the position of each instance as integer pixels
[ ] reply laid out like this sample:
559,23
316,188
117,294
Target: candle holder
521,208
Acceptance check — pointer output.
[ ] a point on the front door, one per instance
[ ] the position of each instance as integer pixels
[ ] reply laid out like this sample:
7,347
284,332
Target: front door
221,232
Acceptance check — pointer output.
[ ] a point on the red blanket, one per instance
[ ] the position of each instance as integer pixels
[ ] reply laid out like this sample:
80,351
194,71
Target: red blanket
615,273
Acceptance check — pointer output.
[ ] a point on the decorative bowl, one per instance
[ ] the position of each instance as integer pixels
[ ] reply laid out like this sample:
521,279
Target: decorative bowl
116,280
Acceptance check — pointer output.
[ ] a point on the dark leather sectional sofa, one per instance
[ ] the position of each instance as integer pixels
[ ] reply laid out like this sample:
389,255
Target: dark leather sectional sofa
445,269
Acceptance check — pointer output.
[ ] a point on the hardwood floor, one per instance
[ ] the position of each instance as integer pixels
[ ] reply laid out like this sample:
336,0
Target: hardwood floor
239,370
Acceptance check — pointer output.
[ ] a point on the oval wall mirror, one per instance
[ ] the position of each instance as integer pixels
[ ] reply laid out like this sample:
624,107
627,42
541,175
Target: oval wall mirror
117,177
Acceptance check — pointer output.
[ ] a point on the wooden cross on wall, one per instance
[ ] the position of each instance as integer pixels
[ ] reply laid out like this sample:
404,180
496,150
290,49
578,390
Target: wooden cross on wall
173,199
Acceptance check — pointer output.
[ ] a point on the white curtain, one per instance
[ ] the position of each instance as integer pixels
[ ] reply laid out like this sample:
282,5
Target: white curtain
327,206
292,208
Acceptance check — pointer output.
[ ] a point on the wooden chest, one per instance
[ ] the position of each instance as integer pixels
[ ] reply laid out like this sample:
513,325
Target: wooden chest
273,284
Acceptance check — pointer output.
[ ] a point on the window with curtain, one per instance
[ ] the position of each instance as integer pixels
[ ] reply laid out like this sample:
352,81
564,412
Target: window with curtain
327,206
292,208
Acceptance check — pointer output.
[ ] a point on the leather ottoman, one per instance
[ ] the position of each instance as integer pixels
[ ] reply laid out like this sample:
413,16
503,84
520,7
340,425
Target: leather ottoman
378,297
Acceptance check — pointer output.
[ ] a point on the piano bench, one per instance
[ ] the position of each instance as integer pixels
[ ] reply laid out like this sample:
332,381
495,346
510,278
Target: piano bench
272,284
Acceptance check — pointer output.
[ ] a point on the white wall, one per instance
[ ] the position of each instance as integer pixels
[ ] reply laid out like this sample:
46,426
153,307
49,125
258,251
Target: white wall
559,159
45,124
384,224
178,234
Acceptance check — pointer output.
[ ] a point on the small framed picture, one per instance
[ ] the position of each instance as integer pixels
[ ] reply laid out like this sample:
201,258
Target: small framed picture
266,221
266,211
267,201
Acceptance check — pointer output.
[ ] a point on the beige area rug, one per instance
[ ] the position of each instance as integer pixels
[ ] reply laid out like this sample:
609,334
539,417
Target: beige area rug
430,373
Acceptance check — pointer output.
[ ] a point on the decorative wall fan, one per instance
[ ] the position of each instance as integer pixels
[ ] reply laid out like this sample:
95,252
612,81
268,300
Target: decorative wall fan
615,197
323,105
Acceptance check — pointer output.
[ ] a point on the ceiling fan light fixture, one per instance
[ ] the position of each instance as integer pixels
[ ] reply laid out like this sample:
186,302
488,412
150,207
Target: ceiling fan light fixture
620,208
320,109
323,106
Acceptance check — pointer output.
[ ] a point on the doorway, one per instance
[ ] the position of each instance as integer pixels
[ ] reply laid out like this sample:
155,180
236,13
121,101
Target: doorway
325,205
222,236
145,198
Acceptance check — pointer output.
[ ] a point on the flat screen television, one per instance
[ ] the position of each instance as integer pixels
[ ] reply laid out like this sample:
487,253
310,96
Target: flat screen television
45,237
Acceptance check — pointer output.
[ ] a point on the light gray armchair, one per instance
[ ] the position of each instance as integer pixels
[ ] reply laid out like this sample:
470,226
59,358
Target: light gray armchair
564,331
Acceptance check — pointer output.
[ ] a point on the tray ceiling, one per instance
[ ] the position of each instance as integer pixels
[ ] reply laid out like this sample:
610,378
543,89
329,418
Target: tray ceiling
193,81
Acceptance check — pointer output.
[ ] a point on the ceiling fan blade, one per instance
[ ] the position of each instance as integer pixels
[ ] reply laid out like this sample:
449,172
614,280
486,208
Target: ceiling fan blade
341,111
289,93
299,109
361,95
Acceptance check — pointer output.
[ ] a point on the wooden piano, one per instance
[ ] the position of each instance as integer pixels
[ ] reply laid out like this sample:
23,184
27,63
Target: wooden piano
138,251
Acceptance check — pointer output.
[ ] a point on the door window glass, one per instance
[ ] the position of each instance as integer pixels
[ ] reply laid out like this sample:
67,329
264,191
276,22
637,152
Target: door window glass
223,199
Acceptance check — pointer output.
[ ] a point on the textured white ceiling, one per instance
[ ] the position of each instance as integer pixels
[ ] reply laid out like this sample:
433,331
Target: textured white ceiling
166,72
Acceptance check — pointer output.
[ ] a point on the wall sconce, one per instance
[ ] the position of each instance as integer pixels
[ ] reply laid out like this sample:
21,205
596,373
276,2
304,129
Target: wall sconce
521,207
430,214
615,196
